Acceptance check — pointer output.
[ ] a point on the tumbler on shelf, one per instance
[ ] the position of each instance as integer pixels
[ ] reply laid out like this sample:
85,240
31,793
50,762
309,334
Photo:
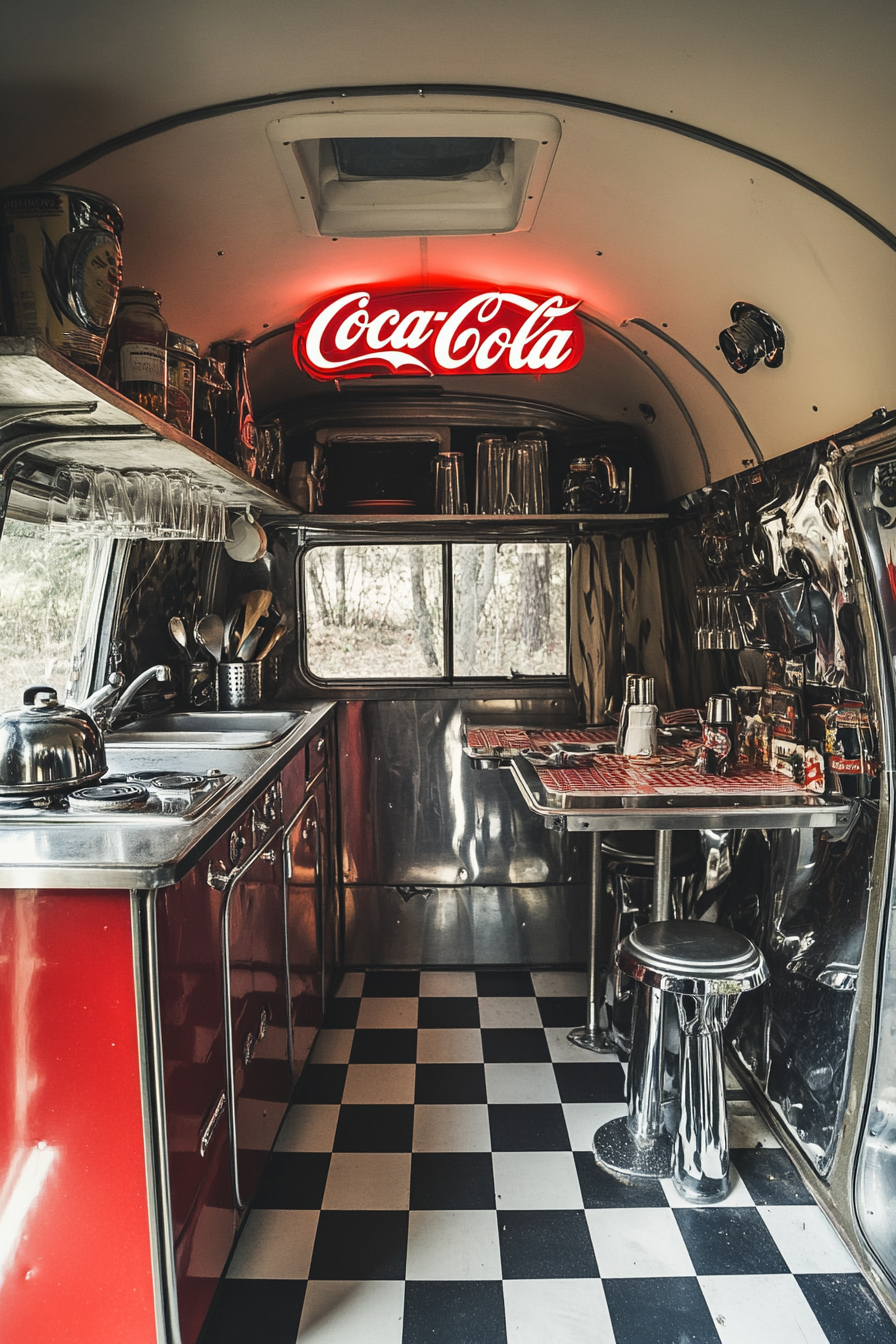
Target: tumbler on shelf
450,495
491,469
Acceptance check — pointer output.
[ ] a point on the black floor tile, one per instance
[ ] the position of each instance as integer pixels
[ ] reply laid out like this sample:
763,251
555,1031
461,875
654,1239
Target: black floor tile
528,1129
391,984
729,1241
293,1181
452,1181
245,1310
342,1013
450,1084
600,1190
448,1012
385,1045
546,1244
515,1045
453,1313
360,1245
770,1176
590,1082
659,1311
504,984
563,1012
374,1129
846,1309
321,1084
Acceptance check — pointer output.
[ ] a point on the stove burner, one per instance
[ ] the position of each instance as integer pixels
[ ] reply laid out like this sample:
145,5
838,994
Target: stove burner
170,780
113,797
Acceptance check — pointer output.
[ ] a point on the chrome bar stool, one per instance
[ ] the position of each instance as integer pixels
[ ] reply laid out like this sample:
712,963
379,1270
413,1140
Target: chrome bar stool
706,967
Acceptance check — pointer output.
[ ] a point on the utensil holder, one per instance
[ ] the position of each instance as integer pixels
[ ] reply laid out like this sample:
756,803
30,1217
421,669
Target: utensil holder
201,685
239,685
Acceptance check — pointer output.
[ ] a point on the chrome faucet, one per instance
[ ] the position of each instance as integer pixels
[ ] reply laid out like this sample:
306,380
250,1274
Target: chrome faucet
97,703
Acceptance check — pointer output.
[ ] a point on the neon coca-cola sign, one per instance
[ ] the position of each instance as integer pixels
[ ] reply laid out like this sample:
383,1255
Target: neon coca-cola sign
365,333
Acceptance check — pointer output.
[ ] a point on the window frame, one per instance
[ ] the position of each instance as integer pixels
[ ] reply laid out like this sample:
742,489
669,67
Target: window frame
435,685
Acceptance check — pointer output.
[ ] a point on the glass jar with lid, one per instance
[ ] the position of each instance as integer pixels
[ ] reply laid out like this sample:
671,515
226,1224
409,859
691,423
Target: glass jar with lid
183,356
141,340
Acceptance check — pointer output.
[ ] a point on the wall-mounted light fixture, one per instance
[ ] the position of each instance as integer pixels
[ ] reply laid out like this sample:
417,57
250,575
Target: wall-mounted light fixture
755,335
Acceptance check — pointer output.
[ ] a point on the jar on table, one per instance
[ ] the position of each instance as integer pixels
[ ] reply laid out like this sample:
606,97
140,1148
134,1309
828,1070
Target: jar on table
141,339
183,356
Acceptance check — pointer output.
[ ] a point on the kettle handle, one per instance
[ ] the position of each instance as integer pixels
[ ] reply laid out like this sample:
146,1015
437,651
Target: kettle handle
32,692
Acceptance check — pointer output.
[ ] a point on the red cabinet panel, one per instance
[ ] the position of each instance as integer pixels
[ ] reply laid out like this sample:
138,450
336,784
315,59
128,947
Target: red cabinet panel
75,1260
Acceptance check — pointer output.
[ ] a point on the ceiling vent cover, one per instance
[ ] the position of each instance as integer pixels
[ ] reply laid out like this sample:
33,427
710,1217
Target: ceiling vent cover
415,173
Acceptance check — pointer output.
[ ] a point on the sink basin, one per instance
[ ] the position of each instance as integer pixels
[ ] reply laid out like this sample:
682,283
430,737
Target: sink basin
231,728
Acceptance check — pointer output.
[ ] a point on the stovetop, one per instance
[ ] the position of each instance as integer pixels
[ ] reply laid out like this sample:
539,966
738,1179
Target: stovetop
168,794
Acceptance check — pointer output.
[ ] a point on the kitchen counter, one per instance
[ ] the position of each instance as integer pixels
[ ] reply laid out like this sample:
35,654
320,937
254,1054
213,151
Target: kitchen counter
141,850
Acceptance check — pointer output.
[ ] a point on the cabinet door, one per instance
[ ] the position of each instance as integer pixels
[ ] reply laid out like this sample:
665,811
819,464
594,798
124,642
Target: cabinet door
255,966
331,922
303,929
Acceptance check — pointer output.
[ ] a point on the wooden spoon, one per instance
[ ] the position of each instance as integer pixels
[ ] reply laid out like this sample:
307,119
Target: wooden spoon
257,603
275,635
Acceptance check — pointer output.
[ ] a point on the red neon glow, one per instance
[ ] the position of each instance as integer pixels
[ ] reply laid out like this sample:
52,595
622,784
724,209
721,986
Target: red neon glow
366,334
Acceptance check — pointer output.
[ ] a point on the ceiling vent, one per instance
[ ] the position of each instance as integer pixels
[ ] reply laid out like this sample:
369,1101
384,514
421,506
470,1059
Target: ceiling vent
415,173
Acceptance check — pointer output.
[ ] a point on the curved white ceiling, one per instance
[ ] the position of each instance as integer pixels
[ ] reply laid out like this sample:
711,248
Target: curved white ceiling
639,222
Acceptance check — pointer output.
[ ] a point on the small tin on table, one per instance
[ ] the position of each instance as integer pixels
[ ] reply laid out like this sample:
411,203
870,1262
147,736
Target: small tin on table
718,749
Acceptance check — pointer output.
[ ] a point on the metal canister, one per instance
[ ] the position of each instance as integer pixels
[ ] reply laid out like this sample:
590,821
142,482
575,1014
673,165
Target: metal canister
851,749
60,268
718,750
140,338
183,356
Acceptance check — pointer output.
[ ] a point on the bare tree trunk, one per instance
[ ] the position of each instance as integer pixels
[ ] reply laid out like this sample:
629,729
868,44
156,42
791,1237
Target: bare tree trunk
339,561
535,585
422,617
473,582
320,600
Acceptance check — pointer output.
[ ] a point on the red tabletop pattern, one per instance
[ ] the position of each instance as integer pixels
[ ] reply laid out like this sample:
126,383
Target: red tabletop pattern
617,776
522,739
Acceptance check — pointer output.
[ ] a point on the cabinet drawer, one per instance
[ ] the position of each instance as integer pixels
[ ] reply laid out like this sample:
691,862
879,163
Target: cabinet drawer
317,753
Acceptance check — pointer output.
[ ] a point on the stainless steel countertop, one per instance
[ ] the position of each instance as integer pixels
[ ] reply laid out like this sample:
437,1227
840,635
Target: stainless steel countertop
652,813
140,850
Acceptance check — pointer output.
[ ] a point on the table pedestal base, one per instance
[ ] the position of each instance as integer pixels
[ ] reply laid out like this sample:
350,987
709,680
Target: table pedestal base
617,1150
593,1038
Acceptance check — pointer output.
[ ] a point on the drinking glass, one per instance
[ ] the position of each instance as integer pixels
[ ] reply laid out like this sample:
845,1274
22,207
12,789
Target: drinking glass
133,484
60,501
180,484
525,480
217,514
112,501
539,451
200,497
491,467
450,491
158,504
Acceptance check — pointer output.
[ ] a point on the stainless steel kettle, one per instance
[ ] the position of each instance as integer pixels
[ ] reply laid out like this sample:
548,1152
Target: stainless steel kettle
48,748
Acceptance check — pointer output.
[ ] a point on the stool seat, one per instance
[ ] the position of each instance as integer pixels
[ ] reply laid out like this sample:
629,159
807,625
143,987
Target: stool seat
685,956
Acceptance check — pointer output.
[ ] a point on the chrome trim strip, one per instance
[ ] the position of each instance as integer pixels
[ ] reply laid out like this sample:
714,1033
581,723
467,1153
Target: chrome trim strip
152,1093
230,1084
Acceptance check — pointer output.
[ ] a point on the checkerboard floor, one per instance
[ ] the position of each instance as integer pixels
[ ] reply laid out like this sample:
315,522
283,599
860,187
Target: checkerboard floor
433,1181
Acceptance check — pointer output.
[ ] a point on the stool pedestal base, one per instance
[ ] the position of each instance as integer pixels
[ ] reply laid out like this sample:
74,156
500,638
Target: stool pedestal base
617,1150
593,1038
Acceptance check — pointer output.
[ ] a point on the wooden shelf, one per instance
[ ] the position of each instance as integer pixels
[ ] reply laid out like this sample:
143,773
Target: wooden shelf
36,378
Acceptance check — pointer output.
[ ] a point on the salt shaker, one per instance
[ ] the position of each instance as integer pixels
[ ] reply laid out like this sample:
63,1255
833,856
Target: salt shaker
718,750
640,724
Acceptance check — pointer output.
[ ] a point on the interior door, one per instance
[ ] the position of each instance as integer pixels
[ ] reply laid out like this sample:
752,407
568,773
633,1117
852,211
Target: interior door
255,965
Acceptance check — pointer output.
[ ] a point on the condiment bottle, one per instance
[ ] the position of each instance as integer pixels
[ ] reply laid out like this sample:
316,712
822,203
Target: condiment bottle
141,338
238,439
212,394
640,725
183,355
718,750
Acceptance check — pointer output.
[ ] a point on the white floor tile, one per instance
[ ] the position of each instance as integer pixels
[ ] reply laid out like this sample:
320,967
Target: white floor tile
806,1239
449,1045
738,1196
352,985
746,1129
368,1181
536,1181
448,985
375,1013
451,1129
564,1052
637,1243
560,984
308,1129
453,1244
379,1084
518,1012
767,1307
532,1084
332,1046
584,1117
275,1244
345,1311
562,1311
